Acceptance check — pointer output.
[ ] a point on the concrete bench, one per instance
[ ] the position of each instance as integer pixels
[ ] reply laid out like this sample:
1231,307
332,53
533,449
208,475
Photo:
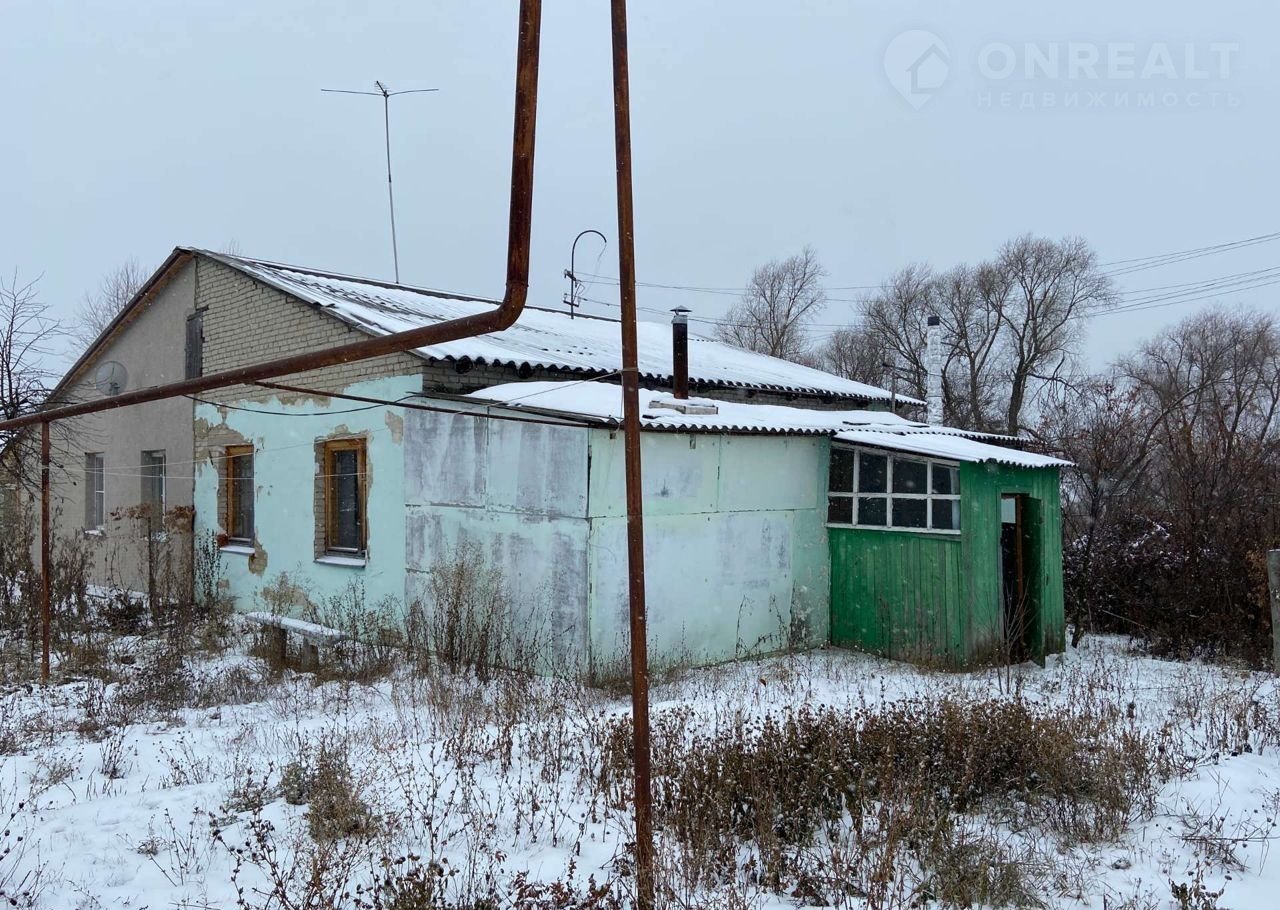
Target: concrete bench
314,635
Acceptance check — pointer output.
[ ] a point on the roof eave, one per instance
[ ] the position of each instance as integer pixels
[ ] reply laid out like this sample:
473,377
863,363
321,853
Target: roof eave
160,277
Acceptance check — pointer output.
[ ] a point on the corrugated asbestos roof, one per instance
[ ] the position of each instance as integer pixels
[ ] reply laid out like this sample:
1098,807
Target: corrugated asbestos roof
541,338
881,429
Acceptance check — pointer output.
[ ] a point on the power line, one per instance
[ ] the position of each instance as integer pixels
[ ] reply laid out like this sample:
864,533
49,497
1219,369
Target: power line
1190,292
1198,251
1121,267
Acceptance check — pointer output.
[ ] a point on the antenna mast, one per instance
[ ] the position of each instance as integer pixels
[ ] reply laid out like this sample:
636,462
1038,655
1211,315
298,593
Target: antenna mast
386,94
571,299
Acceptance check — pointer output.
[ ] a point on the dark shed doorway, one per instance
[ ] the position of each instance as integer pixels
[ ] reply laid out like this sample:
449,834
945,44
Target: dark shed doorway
1016,556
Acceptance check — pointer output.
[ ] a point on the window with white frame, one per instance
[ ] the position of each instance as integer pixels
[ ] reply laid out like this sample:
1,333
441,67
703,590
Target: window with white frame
95,491
153,477
903,492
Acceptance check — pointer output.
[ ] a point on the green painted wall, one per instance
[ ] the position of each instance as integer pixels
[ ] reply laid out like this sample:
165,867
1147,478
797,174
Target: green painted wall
936,597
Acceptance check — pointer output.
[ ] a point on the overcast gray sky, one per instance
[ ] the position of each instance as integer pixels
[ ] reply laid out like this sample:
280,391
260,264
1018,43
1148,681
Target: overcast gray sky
1147,127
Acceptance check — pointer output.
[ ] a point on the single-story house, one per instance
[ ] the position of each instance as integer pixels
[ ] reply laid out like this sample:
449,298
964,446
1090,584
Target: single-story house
784,506
121,479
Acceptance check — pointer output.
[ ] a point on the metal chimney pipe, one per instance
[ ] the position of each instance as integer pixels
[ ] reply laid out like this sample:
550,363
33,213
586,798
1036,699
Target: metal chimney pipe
933,363
680,352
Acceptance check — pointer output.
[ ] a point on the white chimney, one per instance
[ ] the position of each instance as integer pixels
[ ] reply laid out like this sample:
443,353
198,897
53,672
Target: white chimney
933,364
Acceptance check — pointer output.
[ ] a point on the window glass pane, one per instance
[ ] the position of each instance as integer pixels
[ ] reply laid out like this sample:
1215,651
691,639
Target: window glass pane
195,345
910,513
345,492
945,480
1008,510
840,510
95,490
909,476
872,472
153,485
841,478
240,478
946,514
872,511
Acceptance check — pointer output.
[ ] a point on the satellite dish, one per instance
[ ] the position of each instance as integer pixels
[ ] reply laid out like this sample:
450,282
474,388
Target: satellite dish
111,378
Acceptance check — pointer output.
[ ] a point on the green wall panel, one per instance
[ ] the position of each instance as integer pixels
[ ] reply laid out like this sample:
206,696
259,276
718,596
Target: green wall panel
936,598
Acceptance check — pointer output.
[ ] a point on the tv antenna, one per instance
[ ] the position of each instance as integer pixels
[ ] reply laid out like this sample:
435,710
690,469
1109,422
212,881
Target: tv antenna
386,95
571,298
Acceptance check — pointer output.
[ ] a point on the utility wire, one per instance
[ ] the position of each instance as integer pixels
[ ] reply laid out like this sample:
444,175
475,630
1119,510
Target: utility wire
1112,269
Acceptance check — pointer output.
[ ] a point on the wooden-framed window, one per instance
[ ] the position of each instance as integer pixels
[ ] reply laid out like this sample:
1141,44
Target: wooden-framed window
238,480
153,483
344,496
869,489
95,491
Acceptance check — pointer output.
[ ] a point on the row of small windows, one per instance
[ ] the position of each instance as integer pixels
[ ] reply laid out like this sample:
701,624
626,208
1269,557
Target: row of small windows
344,488
874,490
865,489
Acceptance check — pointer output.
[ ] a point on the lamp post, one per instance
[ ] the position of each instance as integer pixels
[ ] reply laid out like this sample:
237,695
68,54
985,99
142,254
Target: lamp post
571,299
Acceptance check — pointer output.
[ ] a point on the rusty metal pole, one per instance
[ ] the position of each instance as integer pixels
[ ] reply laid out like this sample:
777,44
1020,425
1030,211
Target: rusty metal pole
46,554
631,439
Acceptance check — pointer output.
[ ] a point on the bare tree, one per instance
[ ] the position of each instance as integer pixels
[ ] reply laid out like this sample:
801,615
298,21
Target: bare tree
1214,382
1174,494
98,308
780,301
1103,426
972,333
27,334
897,315
1042,290
855,353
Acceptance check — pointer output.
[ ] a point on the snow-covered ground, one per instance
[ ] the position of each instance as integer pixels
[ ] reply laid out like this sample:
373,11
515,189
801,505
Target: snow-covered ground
138,806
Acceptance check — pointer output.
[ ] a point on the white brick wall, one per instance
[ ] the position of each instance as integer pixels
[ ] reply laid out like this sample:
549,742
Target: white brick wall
247,322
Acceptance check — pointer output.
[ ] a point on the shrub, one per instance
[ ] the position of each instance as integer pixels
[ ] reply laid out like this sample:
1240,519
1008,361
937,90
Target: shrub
465,622
295,784
891,788
326,785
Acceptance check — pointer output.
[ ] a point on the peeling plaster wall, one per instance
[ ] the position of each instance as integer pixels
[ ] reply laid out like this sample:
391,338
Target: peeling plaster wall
735,546
518,491
736,541
284,478
735,530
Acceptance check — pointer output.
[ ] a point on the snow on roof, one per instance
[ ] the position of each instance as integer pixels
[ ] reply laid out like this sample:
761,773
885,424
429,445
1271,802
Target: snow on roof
881,429
951,446
541,338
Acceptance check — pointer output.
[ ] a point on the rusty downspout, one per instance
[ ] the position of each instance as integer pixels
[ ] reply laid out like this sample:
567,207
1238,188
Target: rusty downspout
631,435
517,289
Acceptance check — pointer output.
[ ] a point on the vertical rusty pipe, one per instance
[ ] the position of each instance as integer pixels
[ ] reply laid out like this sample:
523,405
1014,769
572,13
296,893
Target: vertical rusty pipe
631,434
46,551
680,352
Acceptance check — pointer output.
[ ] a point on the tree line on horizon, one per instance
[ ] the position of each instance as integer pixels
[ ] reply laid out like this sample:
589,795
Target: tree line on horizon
1173,497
